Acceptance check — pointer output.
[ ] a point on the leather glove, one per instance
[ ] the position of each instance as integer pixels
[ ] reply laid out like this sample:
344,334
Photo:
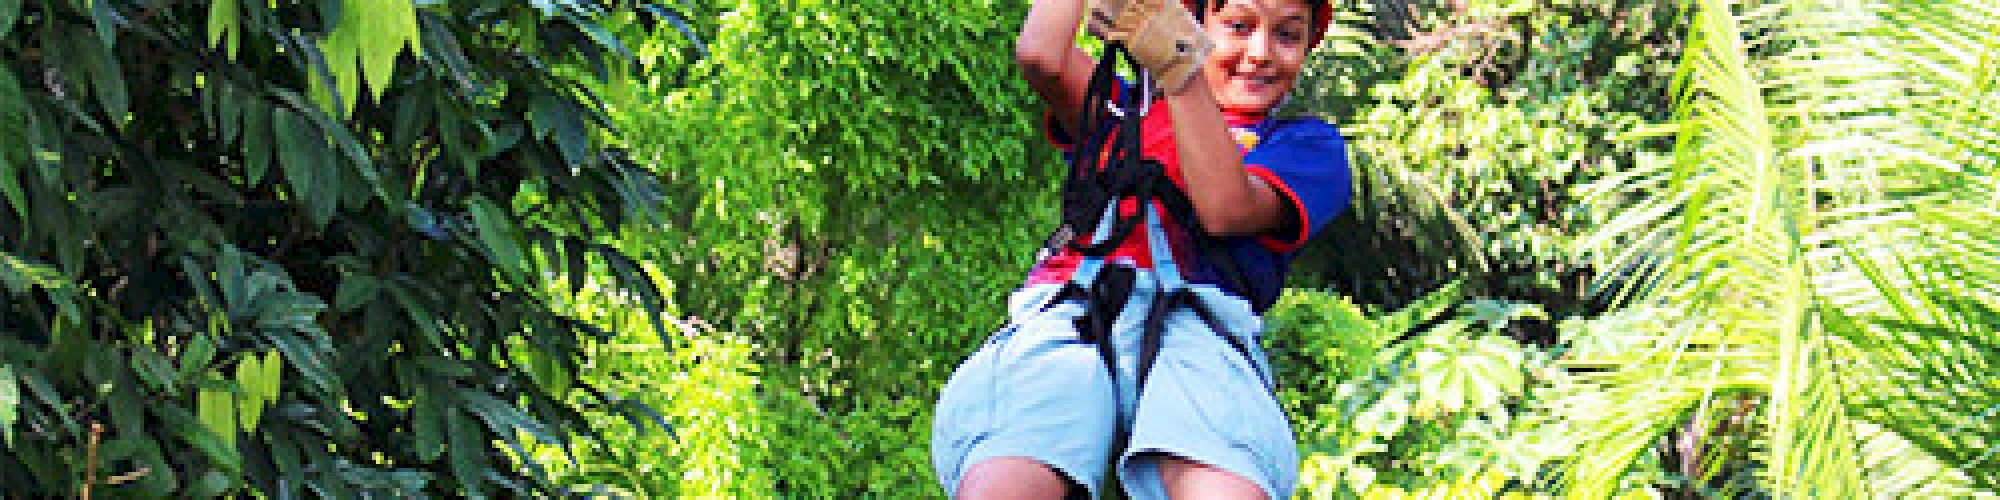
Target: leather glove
1162,36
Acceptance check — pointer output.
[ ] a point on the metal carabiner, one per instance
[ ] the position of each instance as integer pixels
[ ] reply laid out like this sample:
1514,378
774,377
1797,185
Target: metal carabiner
1145,98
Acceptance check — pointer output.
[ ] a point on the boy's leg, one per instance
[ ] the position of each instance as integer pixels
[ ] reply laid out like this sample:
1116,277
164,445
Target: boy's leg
1207,424
1186,478
1012,477
1033,403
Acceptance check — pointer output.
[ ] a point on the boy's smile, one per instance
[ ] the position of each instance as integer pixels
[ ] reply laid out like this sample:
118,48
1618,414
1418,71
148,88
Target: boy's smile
1260,47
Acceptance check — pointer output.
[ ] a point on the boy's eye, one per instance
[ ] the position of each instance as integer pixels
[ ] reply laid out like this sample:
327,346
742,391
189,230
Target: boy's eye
1291,36
1237,26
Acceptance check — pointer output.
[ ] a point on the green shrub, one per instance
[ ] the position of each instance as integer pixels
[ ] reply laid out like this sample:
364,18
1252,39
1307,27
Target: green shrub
286,248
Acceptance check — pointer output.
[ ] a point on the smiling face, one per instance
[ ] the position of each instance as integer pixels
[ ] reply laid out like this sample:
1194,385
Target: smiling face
1260,46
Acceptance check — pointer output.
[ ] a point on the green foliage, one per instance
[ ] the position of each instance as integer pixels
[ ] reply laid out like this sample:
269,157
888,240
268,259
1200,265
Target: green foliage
1710,250
703,386
1390,401
1468,135
1790,262
378,248
10,403
230,271
854,190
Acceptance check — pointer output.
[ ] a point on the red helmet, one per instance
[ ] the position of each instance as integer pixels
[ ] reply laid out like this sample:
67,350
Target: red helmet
1322,16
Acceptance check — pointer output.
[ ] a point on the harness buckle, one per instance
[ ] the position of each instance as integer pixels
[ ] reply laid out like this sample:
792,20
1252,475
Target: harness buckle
1145,98
1061,238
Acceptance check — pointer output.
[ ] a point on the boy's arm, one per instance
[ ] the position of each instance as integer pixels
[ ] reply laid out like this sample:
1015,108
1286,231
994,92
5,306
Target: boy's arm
1050,60
1228,200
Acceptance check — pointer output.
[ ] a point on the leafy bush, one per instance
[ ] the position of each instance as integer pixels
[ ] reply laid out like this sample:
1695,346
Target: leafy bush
284,248
1384,402
853,191
1469,141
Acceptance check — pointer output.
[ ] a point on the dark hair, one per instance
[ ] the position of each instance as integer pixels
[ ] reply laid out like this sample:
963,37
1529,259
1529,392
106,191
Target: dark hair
1202,8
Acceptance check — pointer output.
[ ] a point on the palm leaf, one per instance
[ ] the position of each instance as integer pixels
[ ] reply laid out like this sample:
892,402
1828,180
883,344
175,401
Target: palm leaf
1824,212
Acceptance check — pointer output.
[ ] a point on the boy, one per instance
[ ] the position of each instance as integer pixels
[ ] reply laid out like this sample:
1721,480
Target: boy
1051,402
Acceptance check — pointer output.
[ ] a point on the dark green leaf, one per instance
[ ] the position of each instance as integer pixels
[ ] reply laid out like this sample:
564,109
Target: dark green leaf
195,357
505,420
153,369
558,116
17,135
258,145
228,111
674,17
355,291
442,45
52,401
427,421
107,77
210,484
10,11
306,360
497,233
635,277
426,322
107,22
467,446
302,156
578,255
344,141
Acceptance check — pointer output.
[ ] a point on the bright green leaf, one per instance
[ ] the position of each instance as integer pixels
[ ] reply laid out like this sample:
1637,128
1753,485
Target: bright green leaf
215,407
223,25
364,45
273,375
10,401
258,379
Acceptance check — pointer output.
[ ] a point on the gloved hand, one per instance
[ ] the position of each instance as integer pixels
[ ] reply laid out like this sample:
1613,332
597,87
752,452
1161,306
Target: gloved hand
1161,34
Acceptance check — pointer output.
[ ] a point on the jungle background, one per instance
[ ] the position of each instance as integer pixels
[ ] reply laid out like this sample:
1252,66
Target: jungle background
732,248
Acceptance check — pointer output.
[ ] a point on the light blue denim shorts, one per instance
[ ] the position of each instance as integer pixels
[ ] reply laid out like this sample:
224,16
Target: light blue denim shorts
1035,389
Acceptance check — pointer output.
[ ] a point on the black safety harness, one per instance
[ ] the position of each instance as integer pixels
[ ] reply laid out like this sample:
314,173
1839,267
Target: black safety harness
1094,226
1091,198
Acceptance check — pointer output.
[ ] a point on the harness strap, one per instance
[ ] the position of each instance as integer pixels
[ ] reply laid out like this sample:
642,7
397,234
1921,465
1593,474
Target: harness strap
1110,167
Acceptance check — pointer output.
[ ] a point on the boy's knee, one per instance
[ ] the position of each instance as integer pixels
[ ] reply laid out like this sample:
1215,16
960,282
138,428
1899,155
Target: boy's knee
1012,477
1186,478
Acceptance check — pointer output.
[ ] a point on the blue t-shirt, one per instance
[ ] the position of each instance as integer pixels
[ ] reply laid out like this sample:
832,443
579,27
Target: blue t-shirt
1303,159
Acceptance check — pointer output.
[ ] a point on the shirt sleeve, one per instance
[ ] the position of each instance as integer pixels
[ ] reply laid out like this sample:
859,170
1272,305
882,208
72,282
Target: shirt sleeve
1310,172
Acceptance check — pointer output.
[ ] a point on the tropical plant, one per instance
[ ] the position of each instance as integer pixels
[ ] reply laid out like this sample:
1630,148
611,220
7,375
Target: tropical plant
703,383
853,206
285,248
1388,402
1807,280
1468,134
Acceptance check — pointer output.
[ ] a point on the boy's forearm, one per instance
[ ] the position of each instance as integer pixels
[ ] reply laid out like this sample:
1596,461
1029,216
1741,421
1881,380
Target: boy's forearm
1048,36
1050,61
1227,199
